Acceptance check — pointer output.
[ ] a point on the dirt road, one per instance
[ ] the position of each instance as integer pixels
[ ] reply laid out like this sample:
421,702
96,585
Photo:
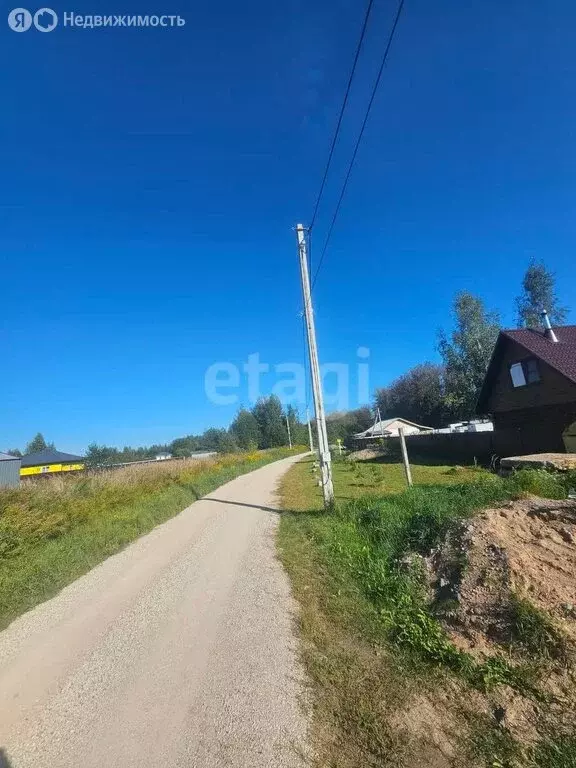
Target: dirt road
179,651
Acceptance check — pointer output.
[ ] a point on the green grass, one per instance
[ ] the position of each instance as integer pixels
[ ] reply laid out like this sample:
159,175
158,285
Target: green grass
353,480
366,613
532,633
555,753
54,530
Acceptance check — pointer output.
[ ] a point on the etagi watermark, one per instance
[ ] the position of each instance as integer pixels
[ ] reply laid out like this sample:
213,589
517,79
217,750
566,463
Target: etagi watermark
46,20
223,381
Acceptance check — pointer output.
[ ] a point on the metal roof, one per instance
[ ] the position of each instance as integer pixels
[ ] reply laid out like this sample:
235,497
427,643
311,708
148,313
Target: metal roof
8,457
49,457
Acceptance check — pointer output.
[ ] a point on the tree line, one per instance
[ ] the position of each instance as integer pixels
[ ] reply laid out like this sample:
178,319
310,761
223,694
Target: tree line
436,394
432,394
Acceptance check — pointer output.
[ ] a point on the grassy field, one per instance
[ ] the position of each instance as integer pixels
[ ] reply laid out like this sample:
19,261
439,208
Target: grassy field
55,529
387,683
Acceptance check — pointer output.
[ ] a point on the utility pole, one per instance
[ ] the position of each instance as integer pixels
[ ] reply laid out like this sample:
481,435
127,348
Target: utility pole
309,431
289,435
323,447
405,456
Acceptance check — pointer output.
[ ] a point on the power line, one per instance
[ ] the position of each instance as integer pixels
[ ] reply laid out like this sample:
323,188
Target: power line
360,135
341,115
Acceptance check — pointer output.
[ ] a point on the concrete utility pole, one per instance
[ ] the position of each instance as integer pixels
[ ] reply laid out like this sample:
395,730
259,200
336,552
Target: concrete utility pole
405,456
323,448
289,435
309,431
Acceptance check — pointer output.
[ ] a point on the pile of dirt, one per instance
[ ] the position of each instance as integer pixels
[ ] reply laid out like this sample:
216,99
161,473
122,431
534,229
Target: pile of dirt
518,560
523,550
366,454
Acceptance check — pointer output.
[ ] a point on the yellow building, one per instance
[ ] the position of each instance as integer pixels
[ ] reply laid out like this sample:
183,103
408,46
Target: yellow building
48,462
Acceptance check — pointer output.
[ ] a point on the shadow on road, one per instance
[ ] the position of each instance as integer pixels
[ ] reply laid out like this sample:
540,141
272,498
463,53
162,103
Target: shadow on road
237,504
4,762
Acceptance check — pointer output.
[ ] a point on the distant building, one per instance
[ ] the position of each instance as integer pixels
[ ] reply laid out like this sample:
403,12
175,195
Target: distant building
530,388
9,470
390,427
49,462
476,425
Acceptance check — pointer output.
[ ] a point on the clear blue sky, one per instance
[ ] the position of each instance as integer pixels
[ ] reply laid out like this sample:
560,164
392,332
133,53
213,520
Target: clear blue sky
150,180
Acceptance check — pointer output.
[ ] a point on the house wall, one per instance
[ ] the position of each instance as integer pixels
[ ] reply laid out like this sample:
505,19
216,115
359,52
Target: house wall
393,427
537,430
530,419
552,389
50,468
408,428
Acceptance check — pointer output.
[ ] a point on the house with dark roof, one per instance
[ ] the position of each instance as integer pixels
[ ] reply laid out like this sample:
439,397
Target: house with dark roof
530,388
50,461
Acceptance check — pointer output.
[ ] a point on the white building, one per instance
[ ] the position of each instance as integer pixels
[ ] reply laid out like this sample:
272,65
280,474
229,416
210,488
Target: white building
476,425
390,427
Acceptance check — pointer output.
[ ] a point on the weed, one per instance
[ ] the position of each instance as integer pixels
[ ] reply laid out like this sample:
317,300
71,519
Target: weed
492,744
532,633
555,753
55,529
539,482
365,550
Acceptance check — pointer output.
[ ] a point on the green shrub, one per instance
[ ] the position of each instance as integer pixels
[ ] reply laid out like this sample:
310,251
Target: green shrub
539,482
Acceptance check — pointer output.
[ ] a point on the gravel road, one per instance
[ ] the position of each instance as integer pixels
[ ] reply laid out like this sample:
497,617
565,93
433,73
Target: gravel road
179,651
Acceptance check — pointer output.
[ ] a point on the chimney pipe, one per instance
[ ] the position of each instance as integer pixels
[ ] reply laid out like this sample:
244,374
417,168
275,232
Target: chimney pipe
548,331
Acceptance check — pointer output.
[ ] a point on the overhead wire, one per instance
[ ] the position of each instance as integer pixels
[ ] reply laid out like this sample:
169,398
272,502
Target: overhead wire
359,140
341,115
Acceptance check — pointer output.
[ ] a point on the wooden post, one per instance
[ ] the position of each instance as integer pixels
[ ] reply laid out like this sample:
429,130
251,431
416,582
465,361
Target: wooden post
405,456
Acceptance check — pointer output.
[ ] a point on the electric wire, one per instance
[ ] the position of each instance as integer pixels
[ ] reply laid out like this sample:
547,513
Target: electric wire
341,115
359,140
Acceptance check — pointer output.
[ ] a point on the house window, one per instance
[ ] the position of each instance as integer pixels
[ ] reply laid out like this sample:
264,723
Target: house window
531,371
525,372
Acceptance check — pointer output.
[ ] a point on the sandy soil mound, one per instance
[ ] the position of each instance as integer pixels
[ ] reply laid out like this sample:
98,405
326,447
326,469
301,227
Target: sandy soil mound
525,549
505,584
366,454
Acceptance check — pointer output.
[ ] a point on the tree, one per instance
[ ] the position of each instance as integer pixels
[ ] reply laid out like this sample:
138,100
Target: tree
538,293
97,455
39,444
341,425
418,396
183,447
218,440
467,353
246,430
14,452
270,418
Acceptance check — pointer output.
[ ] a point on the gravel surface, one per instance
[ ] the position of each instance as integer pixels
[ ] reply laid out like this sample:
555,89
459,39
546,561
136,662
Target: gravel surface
179,651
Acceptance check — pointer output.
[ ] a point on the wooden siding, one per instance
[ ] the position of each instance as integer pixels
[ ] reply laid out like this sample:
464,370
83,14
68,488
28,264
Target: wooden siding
552,389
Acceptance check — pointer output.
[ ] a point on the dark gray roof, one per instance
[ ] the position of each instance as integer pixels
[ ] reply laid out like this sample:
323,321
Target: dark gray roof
49,457
8,457
560,355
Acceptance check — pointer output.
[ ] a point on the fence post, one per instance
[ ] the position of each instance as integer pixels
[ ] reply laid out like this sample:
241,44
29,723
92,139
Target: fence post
405,456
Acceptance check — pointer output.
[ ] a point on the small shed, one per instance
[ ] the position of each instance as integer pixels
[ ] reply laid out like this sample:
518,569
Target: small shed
9,470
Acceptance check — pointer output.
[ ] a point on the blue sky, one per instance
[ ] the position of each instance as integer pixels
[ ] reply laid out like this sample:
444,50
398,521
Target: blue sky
151,179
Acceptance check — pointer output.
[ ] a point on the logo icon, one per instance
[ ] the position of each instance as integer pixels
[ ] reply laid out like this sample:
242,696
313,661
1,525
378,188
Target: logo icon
19,20
45,20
